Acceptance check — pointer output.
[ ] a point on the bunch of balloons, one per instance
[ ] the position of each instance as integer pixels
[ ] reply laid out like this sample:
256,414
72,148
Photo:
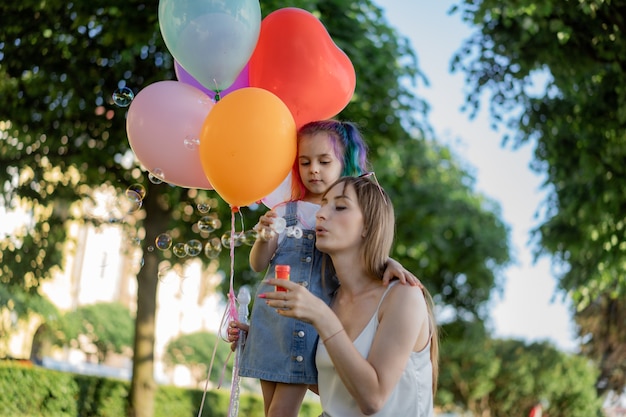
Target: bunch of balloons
244,86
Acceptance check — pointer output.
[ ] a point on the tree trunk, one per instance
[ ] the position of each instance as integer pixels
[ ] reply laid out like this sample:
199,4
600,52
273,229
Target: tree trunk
143,386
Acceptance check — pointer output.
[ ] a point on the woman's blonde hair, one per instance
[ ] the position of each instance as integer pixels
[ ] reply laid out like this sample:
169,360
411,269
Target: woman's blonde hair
379,226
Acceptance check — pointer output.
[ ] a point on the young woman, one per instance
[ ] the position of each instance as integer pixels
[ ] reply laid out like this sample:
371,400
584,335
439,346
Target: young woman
378,346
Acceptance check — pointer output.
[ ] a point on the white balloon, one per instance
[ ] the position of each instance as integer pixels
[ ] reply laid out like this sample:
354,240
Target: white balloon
281,194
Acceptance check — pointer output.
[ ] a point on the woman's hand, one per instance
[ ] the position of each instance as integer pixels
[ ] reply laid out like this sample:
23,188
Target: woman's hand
296,302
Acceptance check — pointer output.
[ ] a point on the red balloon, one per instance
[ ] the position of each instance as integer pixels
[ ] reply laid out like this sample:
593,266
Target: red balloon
296,59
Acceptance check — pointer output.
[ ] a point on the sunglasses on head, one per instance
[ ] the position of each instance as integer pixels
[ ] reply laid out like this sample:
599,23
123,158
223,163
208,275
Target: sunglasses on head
372,174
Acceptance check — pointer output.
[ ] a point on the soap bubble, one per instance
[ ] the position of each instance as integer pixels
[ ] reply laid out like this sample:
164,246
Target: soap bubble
238,239
191,142
266,234
250,236
122,97
193,247
206,224
164,273
216,223
203,207
179,250
294,231
163,241
157,176
213,248
136,192
279,224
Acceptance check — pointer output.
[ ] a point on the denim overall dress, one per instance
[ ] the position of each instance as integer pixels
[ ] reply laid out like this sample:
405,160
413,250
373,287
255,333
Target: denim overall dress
278,348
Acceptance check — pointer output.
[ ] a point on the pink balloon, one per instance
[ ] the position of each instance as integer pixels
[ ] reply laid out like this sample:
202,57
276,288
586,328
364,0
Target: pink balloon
163,126
183,76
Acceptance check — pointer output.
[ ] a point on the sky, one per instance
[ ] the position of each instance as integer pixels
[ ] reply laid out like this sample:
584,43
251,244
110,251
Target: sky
529,308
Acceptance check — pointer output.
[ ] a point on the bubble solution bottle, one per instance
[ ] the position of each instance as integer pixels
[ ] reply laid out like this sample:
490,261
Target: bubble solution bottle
282,272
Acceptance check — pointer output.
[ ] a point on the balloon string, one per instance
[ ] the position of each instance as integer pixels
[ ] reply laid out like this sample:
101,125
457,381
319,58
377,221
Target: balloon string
208,377
282,203
225,318
242,222
230,313
232,254
232,299
233,313
217,91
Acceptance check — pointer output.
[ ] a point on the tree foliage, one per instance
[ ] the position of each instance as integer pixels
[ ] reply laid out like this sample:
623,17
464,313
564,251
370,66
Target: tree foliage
196,350
502,378
603,340
440,221
106,326
576,121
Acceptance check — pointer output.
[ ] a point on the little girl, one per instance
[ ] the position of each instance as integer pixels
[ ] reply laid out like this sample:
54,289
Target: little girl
280,351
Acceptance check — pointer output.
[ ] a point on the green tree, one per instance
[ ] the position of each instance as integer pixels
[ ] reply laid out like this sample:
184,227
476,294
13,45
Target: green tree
107,326
440,222
62,138
196,351
539,372
576,119
503,378
601,325
468,368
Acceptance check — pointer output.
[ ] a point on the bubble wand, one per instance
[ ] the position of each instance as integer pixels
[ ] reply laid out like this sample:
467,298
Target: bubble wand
243,298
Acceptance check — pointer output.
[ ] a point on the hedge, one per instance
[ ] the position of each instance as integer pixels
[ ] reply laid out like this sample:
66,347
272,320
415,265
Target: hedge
31,391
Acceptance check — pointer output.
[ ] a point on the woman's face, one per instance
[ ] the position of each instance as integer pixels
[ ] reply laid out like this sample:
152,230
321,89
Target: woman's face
339,221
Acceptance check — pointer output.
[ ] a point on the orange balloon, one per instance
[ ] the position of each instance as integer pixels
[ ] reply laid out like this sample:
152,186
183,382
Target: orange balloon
296,59
247,145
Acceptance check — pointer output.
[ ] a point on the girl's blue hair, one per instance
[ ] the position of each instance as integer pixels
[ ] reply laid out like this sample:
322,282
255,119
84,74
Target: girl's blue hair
348,144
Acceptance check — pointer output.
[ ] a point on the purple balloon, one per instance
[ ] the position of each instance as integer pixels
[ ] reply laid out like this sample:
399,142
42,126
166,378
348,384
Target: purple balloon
183,76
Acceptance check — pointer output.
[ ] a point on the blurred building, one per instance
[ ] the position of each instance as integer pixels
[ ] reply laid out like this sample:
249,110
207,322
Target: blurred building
102,267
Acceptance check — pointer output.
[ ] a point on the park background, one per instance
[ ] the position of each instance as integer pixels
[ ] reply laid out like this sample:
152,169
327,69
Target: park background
512,324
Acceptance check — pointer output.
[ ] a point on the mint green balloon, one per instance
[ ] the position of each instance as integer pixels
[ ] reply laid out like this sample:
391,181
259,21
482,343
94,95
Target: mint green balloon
211,39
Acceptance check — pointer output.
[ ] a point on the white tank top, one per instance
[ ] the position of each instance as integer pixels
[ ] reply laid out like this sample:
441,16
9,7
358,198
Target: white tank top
412,397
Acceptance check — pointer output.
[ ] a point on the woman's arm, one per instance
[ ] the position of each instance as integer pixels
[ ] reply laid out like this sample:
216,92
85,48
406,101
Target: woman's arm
403,328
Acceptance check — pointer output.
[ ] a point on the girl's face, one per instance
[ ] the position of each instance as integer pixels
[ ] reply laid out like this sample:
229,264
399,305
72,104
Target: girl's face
339,221
318,165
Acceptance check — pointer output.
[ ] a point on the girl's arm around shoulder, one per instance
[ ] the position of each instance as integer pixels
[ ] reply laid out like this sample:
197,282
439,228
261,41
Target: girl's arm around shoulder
395,269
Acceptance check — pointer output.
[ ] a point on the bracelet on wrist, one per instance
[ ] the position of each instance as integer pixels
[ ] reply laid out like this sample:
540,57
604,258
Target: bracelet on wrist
332,335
